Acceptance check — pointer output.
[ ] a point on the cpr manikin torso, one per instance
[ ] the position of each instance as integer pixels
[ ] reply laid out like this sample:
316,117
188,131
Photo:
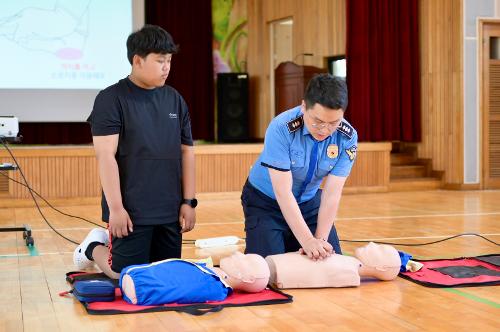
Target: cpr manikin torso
166,281
293,270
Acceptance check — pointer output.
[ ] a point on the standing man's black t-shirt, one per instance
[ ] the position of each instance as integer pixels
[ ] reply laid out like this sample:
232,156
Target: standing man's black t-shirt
152,125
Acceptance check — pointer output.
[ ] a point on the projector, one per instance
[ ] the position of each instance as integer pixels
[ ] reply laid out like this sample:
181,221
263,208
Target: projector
9,126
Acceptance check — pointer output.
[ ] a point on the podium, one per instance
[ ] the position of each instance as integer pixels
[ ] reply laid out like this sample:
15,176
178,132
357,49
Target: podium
290,81
26,229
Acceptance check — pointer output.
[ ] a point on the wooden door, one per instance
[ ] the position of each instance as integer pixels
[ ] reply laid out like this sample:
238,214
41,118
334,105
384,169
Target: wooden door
489,71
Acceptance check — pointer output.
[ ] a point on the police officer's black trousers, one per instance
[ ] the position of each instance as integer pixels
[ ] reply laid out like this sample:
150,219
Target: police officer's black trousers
267,232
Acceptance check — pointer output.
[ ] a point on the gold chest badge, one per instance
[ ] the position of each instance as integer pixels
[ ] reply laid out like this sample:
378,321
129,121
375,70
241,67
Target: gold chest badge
332,151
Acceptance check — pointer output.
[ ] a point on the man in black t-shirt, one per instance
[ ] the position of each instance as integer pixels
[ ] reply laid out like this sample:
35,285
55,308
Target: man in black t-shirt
142,138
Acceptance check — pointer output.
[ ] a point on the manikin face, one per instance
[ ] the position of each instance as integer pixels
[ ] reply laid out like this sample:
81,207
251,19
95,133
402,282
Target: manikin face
151,71
379,256
248,272
321,121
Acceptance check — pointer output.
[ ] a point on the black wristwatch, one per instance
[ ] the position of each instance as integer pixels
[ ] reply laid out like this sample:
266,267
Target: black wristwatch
191,202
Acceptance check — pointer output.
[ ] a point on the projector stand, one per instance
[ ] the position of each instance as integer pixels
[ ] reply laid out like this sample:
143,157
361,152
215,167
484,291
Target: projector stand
26,229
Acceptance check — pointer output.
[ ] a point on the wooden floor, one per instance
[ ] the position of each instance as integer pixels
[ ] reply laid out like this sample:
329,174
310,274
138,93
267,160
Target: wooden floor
31,280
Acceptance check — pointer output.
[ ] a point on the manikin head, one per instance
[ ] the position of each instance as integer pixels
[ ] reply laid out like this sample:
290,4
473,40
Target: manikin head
379,261
249,273
149,51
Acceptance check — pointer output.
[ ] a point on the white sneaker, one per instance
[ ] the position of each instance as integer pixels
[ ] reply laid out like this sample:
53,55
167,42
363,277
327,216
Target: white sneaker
95,235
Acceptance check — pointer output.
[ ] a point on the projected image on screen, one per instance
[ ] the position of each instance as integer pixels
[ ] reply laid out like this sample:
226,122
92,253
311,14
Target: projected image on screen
63,44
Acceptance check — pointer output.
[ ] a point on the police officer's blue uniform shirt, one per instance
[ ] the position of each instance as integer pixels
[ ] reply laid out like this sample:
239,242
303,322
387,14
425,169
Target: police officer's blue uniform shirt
289,146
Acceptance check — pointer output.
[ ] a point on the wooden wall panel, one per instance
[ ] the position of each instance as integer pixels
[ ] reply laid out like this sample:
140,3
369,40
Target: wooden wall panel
441,56
55,172
61,172
318,28
221,168
4,184
371,172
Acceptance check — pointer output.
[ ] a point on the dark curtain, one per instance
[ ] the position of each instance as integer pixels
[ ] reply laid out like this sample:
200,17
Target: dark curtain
383,70
55,133
190,24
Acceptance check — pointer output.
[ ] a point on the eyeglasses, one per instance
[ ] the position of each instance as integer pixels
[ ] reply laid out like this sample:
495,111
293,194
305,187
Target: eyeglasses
322,125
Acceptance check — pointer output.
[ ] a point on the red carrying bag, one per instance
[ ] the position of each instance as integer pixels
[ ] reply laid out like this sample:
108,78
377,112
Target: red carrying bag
457,272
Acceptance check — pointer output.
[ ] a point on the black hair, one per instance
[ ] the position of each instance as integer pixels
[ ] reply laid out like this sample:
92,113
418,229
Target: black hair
150,39
328,91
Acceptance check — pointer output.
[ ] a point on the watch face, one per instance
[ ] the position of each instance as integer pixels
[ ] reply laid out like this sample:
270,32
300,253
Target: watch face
191,202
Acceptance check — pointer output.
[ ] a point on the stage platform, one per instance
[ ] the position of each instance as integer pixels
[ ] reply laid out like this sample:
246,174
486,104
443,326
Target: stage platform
70,172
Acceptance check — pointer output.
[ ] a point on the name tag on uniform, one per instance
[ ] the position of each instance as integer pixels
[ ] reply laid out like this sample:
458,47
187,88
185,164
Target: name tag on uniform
332,151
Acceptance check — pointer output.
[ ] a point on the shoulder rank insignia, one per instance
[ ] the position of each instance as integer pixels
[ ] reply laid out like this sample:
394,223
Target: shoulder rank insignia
346,129
351,152
295,124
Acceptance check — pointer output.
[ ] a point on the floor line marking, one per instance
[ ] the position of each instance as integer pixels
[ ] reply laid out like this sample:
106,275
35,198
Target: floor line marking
339,218
420,237
423,216
363,239
473,297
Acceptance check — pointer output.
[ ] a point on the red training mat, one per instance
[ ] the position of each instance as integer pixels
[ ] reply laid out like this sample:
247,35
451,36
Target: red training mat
236,299
432,278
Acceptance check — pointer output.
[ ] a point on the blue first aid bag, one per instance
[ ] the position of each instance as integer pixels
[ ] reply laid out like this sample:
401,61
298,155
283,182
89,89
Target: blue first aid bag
174,281
94,290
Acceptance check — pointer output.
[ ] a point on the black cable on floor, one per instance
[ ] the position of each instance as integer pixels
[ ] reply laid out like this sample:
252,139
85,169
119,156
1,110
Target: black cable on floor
31,193
190,241
424,244
48,203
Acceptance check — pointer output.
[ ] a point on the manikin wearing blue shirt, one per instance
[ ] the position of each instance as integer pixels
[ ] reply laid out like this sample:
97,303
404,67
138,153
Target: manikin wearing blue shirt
285,209
181,281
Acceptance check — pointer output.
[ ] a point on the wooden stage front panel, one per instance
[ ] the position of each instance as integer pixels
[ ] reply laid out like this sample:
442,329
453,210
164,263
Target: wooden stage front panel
71,171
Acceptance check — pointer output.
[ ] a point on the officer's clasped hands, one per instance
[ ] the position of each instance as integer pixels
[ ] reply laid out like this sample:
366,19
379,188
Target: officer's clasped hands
316,249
